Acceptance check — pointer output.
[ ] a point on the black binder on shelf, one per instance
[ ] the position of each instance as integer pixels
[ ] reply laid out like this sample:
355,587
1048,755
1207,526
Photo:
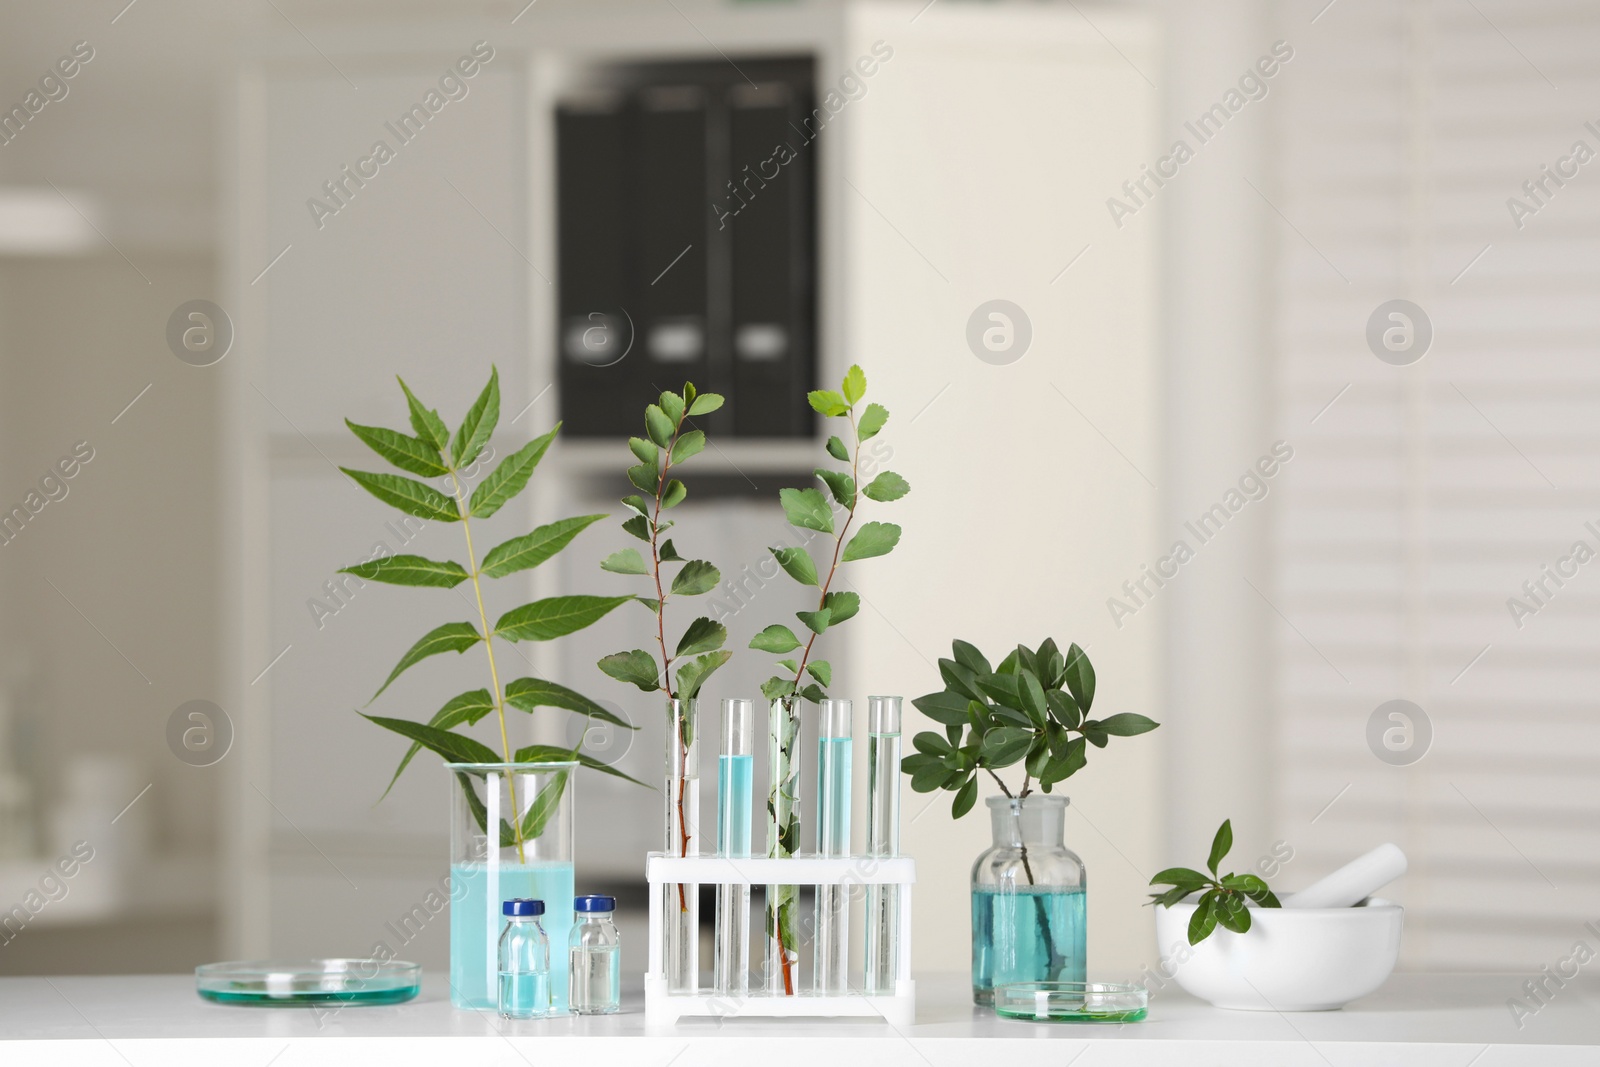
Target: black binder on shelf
686,227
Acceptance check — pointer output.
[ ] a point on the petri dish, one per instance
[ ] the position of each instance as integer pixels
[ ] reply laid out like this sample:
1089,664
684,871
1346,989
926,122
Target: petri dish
1072,1002
293,982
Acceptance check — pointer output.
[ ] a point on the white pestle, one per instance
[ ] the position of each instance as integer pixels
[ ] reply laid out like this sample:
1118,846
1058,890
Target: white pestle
1354,882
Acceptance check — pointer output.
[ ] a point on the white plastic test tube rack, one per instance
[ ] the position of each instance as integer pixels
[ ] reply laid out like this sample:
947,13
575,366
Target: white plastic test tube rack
898,1008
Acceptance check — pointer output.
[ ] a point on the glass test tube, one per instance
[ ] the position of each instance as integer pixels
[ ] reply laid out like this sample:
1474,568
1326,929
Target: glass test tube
832,956
783,839
682,906
883,839
735,802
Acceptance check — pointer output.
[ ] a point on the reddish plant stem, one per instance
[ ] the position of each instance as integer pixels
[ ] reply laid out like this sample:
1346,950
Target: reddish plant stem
661,639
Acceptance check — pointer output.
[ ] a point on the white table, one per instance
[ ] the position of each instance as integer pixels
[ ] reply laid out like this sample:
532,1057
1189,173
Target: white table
1415,1020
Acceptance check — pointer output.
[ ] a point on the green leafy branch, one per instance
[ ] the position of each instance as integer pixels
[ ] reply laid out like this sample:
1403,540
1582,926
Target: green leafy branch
433,452
1024,711
667,444
808,509
1226,898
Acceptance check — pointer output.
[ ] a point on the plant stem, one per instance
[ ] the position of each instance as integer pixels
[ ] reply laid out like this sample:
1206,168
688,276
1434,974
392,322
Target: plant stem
666,659
494,673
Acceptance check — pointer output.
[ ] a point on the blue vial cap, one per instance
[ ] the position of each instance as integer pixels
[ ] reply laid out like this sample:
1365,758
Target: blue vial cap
594,903
519,906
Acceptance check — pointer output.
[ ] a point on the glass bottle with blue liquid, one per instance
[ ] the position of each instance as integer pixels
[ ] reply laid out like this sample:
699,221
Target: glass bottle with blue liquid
594,956
834,741
1028,911
524,955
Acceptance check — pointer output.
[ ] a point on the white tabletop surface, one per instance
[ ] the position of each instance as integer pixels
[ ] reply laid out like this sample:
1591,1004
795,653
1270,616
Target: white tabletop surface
1415,1020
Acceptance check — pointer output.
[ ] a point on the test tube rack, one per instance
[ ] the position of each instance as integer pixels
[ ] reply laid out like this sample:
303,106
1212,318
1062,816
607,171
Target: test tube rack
660,1006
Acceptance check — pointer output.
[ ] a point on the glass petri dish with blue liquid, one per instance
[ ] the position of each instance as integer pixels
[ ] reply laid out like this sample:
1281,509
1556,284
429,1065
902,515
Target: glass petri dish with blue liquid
1072,1002
297,982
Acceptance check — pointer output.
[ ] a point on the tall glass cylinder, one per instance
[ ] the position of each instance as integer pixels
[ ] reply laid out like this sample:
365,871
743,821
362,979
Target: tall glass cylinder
783,839
528,854
834,742
735,802
682,903
883,839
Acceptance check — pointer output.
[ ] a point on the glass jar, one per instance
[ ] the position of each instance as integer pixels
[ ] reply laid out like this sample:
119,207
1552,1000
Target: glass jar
1028,913
594,981
531,805
524,955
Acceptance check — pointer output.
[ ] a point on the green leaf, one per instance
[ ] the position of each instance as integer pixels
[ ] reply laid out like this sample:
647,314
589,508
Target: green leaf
960,680
775,638
408,453
946,707
966,796
841,606
554,617
1080,678
627,561
807,509
926,779
669,553
557,754
1232,912
1032,694
645,451
410,570
827,402
855,384
872,421
1170,897
837,450
1204,919
873,539
454,747
544,805
815,621
673,494
638,526
705,404
932,744
821,670
813,693
1128,724
969,657
645,476
1038,757
776,688
1063,708
636,668
467,708
637,505
788,664
1002,687
651,603
479,424
696,577
410,496
1180,877
532,549
673,405
693,675
526,694
1250,885
1052,665
658,426
703,635
797,562
1220,845
510,476
451,637
886,487
428,425
688,444
840,484
1005,746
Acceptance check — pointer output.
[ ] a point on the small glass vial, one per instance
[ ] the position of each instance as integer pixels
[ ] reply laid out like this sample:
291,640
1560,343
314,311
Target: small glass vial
594,981
524,961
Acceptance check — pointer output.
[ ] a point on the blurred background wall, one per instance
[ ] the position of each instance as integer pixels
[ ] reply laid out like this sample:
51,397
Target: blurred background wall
1210,317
